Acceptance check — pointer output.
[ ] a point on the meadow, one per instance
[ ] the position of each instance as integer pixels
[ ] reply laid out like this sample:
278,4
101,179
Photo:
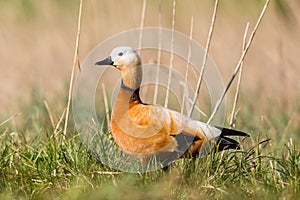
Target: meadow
37,45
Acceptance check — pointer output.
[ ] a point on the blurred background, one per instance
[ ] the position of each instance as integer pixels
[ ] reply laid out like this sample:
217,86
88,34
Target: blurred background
37,41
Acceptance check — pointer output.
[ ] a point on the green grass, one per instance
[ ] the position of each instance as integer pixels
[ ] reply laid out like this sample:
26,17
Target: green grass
36,165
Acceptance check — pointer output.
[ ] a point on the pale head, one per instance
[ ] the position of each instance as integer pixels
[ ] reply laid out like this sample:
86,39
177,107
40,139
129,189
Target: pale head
122,58
127,60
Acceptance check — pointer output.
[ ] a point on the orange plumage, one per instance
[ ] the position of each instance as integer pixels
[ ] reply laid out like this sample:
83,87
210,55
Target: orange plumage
144,130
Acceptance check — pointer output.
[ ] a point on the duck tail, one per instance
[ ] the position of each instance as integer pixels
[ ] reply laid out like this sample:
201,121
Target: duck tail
225,142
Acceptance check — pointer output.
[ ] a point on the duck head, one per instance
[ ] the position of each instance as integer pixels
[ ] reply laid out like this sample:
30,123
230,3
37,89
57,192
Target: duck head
127,60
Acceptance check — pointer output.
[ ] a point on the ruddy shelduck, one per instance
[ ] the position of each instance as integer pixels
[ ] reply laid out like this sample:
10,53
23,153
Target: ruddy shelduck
145,130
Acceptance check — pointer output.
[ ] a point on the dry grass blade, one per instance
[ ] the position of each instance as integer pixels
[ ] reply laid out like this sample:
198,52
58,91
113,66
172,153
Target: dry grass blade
55,134
59,122
158,55
213,19
172,55
142,25
187,66
88,181
238,66
198,109
108,173
236,96
75,61
9,119
49,113
106,105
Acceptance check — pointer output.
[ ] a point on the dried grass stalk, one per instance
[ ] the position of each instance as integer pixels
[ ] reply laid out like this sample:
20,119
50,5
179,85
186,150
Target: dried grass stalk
238,66
237,92
75,63
212,25
172,55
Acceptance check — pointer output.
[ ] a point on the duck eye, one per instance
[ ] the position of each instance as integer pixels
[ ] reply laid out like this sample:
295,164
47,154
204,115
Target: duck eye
120,54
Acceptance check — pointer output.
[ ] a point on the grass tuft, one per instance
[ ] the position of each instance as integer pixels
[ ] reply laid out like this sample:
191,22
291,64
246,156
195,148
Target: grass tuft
45,166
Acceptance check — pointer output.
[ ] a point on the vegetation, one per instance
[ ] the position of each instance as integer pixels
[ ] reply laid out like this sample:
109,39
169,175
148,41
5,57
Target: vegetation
46,167
36,162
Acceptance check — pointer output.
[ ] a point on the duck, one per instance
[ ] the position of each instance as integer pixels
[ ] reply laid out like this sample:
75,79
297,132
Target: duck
144,130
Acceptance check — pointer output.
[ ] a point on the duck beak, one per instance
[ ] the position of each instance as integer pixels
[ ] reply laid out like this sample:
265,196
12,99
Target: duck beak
106,61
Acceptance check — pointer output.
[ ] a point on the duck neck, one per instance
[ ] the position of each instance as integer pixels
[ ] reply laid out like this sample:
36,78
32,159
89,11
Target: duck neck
131,78
132,96
130,86
127,98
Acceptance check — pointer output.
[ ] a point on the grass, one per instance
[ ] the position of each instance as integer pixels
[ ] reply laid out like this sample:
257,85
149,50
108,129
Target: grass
37,164
43,167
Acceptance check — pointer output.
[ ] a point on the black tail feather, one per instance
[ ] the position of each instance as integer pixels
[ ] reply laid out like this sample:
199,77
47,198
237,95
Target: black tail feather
231,132
227,143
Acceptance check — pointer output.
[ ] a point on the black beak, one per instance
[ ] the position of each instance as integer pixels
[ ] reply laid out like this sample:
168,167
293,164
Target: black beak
106,61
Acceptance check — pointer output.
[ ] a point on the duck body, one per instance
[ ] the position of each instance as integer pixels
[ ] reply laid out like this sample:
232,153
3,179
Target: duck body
144,130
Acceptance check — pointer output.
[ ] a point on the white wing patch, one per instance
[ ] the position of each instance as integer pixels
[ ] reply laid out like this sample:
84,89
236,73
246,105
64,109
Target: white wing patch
194,127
